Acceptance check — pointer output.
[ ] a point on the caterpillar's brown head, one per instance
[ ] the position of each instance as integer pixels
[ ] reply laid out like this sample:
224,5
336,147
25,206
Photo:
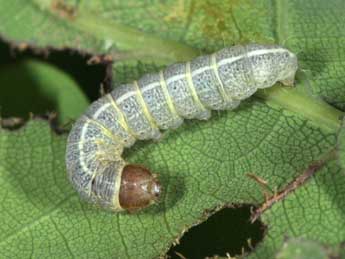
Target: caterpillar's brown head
139,188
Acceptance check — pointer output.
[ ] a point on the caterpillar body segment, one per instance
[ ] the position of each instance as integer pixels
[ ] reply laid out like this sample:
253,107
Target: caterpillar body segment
139,122
159,104
106,112
161,101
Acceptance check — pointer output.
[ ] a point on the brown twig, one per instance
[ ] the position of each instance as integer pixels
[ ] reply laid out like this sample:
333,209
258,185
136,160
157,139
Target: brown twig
292,186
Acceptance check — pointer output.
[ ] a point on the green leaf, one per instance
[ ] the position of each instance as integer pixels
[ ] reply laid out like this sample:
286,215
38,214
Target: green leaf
302,249
202,165
43,88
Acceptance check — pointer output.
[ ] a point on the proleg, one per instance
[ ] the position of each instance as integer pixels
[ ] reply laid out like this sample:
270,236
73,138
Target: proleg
161,101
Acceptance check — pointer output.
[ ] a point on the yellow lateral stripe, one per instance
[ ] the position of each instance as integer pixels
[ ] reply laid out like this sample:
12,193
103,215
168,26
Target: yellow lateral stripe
144,106
192,88
215,69
166,94
122,119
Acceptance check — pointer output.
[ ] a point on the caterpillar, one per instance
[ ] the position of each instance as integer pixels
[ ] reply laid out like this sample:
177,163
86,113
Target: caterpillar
161,101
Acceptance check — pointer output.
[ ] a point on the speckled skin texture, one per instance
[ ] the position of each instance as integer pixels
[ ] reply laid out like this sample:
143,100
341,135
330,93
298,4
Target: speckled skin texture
162,101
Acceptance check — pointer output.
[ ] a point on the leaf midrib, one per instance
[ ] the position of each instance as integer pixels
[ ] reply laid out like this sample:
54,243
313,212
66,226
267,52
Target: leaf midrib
124,38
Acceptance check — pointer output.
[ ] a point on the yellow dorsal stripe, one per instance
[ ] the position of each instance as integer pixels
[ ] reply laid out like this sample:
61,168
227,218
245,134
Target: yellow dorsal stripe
215,69
166,94
144,106
192,88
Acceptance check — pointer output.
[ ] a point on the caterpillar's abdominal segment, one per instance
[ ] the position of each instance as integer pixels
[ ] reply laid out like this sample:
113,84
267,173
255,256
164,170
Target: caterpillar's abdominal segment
161,101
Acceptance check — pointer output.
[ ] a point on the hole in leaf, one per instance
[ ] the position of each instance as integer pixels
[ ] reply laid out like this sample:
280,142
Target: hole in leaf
46,80
227,232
